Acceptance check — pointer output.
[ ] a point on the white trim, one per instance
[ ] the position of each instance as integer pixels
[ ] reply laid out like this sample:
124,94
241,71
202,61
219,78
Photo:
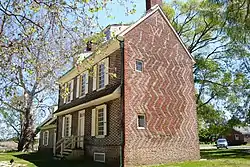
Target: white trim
106,70
71,90
94,77
97,74
93,123
87,82
70,124
78,86
154,9
54,143
47,141
65,96
105,120
116,94
48,127
49,122
104,107
96,153
105,51
63,122
81,129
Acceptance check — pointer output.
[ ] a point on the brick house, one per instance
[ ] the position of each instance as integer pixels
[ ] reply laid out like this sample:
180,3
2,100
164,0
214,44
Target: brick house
239,135
47,139
134,104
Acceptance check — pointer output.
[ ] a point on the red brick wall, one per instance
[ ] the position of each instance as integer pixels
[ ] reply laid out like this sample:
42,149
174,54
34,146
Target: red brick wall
164,92
110,144
151,3
231,138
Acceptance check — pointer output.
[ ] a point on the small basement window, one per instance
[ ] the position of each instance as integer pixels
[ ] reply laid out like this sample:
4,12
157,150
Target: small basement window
141,121
138,65
99,157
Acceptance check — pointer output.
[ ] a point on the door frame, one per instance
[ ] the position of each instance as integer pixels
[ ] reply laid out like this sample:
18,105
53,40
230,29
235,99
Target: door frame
81,130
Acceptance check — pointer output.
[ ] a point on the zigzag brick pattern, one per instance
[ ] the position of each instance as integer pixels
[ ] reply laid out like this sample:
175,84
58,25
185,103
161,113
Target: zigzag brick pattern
164,92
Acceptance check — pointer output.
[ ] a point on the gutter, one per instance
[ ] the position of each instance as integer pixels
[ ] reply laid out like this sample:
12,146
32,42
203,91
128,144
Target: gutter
122,102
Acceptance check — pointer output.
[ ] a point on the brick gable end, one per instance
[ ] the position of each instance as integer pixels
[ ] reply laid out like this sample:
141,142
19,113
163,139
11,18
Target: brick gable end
164,92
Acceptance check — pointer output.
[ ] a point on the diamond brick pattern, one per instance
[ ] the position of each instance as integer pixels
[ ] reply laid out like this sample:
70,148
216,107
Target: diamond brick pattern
164,92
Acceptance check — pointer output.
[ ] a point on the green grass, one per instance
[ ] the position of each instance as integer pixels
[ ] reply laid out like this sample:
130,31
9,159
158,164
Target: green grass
214,158
217,158
41,160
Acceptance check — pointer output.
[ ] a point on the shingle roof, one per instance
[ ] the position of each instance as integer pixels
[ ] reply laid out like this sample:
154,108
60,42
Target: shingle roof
244,130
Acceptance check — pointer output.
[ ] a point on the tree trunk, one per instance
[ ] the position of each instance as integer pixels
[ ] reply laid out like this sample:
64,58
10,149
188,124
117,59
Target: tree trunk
26,139
27,136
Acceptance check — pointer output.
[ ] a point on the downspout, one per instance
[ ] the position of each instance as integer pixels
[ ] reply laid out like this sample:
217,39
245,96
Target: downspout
122,102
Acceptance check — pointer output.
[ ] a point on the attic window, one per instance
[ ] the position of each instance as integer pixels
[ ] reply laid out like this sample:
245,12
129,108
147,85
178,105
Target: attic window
138,66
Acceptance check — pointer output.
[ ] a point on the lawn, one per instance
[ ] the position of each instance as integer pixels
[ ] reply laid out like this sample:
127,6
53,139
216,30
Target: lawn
218,158
211,158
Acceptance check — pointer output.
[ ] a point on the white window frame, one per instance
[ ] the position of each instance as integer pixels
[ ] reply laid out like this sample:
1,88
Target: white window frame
69,97
137,60
97,153
98,75
46,143
94,128
138,127
69,116
96,85
85,85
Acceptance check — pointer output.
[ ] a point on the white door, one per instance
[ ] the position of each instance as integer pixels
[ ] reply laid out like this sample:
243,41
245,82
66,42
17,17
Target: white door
81,122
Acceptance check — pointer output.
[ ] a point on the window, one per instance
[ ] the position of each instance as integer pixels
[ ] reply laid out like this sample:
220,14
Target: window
138,65
99,121
68,91
46,138
83,84
141,122
101,75
99,157
66,127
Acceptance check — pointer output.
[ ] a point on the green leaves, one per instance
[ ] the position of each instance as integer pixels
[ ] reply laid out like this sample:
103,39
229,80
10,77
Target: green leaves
217,36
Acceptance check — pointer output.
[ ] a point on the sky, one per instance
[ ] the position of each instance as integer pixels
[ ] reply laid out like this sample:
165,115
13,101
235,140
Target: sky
119,12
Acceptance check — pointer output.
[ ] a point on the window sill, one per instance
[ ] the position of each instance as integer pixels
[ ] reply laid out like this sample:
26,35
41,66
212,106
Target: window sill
82,96
101,88
100,136
141,128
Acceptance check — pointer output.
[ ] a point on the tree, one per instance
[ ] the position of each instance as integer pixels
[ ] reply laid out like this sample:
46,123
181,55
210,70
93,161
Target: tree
216,34
37,40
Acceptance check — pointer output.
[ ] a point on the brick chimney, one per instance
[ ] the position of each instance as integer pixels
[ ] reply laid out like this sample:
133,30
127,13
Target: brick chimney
151,3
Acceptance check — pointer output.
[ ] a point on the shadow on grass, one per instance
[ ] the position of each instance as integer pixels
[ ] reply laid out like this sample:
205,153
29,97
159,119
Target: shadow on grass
41,160
225,154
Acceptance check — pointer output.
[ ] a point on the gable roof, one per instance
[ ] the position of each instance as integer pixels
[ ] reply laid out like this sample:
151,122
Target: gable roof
150,13
243,130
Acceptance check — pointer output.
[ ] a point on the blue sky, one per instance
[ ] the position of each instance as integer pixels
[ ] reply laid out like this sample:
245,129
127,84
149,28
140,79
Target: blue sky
119,12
